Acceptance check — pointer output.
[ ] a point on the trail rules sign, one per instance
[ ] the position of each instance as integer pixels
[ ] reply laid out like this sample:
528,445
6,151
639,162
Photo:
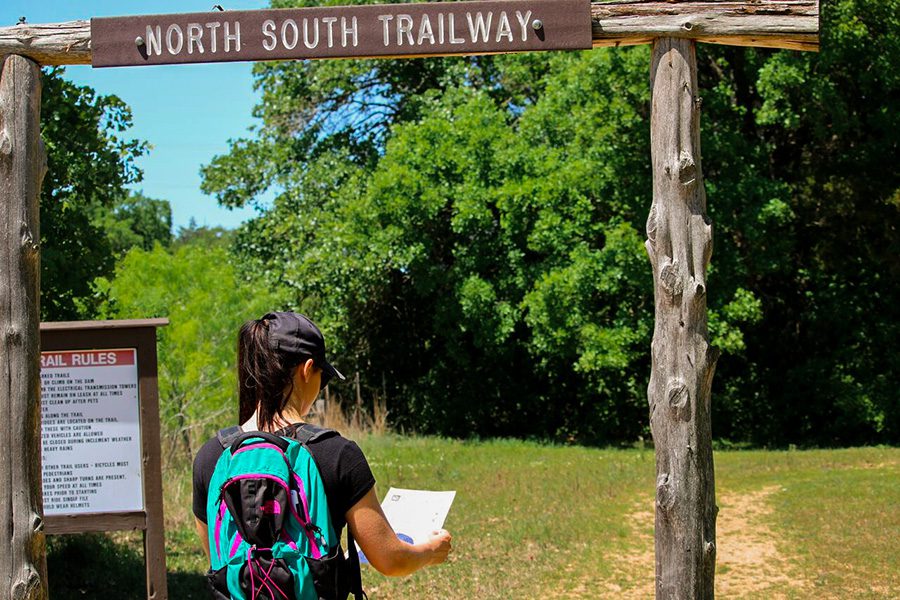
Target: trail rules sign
91,431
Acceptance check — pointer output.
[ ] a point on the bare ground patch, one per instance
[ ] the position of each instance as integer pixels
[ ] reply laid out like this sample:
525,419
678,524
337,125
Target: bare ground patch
749,563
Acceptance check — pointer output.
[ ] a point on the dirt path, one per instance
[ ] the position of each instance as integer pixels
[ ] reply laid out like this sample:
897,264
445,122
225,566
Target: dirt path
749,564
749,561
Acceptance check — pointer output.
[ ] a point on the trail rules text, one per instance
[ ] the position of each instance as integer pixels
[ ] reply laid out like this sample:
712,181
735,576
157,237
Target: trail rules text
90,431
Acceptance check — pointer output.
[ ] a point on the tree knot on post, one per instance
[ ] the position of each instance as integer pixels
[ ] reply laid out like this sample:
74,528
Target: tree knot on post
678,397
671,280
5,143
13,337
28,241
665,495
687,169
699,289
652,224
29,587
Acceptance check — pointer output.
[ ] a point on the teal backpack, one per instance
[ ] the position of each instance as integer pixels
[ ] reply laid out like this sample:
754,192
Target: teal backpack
270,532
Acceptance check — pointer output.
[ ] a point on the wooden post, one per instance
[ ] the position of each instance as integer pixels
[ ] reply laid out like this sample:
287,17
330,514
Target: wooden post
23,561
154,532
679,243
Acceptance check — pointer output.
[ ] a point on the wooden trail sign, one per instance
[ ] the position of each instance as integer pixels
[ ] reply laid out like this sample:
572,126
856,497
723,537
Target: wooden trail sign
390,30
679,234
679,245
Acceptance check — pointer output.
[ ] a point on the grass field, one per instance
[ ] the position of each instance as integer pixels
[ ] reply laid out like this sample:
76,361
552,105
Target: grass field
532,521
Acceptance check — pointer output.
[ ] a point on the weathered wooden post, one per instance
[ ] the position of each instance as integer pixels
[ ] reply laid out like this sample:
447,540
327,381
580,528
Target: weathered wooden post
679,243
23,568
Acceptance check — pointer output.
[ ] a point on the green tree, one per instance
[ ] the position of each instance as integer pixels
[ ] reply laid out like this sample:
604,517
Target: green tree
89,166
195,286
137,221
477,255
804,152
439,251
202,234
310,108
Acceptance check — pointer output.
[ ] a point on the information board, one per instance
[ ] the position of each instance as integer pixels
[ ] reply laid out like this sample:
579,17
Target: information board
91,431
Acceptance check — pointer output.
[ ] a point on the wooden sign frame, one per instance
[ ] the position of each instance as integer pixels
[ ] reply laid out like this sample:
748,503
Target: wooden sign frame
140,335
679,245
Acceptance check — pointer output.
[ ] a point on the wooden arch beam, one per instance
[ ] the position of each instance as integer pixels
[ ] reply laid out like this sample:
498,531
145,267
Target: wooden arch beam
792,24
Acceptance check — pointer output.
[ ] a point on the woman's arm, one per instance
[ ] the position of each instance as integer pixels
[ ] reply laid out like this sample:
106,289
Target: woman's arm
204,536
384,550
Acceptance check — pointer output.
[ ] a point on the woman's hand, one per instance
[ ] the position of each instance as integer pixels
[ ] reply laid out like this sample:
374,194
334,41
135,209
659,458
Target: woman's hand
439,545
384,550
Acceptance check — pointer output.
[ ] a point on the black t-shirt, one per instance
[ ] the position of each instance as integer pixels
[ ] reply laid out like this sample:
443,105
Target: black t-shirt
345,473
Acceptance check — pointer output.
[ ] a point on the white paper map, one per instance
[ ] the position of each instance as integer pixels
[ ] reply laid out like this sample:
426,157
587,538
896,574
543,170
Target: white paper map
414,514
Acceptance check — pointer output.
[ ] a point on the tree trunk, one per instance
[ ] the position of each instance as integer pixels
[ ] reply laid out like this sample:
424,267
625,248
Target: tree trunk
23,564
679,245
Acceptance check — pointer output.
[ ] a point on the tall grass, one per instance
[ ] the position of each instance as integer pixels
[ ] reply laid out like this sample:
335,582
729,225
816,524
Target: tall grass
351,420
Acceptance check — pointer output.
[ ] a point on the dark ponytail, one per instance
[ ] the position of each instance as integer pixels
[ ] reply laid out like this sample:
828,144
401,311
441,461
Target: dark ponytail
264,375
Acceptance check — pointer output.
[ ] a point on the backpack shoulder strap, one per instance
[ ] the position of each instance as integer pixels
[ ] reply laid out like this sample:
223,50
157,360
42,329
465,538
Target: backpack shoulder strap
227,436
306,433
355,573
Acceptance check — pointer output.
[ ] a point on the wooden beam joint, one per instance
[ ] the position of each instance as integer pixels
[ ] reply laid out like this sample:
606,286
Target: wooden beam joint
791,24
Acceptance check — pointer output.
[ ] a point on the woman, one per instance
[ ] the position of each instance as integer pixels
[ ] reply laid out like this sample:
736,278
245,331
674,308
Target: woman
281,370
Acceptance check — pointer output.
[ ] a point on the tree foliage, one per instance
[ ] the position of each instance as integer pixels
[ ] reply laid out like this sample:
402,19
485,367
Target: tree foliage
137,221
88,216
469,231
195,286
812,142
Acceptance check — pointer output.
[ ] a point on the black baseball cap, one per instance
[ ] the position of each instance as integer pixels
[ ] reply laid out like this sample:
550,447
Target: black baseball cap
294,333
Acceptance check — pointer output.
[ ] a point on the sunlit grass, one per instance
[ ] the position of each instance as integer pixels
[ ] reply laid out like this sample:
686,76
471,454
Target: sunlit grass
527,517
534,520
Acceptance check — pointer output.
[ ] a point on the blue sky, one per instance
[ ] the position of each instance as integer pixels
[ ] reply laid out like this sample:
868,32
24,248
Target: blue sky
186,112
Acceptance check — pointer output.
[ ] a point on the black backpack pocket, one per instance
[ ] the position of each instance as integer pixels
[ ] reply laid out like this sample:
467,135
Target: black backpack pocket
258,506
266,578
217,584
331,575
